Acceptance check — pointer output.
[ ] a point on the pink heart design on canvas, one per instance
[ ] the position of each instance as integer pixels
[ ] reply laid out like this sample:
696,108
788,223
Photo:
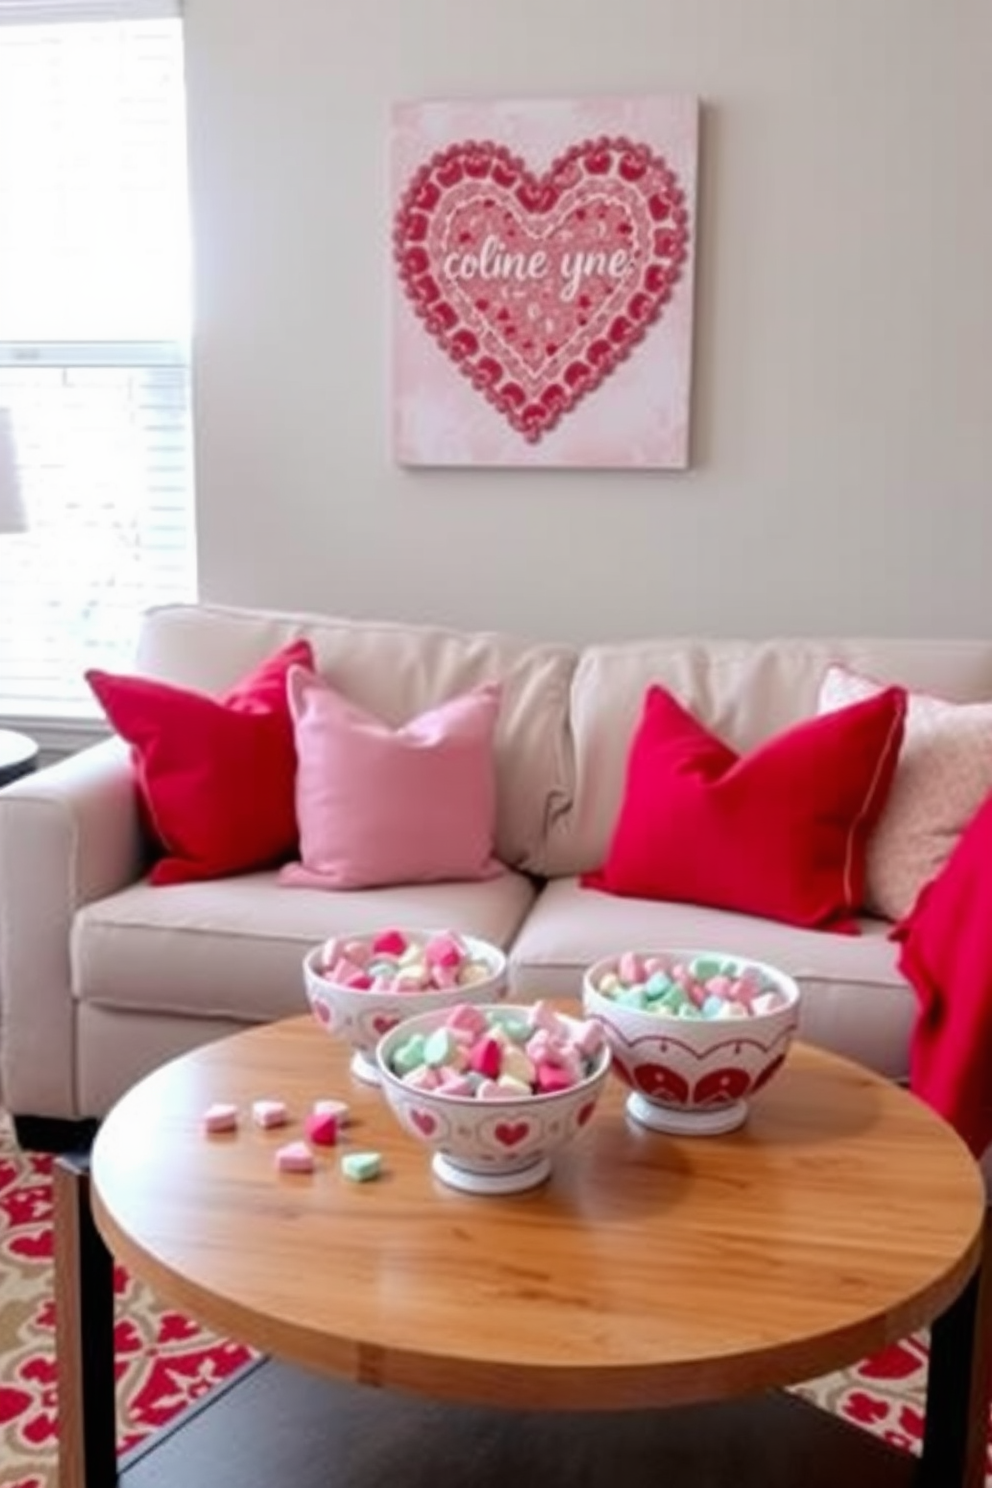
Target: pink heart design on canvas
424,1122
511,1134
538,287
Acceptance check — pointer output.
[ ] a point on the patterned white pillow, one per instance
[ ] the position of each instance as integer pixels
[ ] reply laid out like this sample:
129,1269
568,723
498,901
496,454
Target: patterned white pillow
943,776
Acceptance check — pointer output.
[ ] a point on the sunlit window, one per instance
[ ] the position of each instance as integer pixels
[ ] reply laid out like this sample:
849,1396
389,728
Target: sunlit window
94,328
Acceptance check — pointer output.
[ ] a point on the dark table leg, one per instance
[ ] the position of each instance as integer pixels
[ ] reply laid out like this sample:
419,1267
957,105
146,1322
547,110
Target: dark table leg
960,1384
84,1334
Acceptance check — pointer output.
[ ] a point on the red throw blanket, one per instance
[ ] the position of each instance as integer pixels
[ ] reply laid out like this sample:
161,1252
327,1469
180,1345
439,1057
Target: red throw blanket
946,956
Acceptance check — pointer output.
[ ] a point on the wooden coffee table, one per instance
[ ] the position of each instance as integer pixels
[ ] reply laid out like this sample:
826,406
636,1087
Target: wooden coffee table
539,1333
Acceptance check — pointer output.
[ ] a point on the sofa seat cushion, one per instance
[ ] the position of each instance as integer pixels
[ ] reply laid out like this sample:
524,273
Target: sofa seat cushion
855,1001
234,947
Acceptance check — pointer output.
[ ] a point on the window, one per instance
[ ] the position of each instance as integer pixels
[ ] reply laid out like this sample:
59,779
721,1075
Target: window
94,327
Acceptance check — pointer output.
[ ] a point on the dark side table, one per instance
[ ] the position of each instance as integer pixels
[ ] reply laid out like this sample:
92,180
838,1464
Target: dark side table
18,755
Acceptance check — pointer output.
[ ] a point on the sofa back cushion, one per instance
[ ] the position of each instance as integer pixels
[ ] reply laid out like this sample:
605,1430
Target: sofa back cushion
567,717
397,671
744,691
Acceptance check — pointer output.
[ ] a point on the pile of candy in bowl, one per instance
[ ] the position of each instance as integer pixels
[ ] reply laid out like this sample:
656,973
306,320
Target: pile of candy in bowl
360,986
692,1032
494,1090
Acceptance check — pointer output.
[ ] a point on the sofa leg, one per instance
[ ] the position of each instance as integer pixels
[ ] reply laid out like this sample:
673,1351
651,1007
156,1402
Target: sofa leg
53,1134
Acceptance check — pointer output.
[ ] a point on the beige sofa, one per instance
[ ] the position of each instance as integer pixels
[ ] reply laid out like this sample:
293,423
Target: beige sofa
103,977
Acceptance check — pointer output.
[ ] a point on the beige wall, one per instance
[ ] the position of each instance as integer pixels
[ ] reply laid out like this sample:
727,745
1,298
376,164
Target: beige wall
842,476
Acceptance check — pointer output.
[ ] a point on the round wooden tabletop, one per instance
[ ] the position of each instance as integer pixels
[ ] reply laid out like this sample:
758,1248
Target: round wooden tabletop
648,1270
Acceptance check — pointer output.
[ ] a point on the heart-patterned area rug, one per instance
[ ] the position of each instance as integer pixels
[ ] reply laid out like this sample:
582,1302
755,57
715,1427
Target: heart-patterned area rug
165,1360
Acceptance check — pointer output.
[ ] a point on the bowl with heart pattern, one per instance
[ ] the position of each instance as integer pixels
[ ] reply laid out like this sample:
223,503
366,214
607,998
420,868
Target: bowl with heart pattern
504,1141
694,1033
361,985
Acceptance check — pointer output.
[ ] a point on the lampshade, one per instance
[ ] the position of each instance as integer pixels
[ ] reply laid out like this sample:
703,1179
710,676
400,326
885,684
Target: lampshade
11,507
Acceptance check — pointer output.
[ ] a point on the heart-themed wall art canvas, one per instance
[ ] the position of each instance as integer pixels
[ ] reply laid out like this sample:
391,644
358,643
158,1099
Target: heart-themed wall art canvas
542,264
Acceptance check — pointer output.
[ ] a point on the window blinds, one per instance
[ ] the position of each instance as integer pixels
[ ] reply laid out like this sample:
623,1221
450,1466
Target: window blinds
94,297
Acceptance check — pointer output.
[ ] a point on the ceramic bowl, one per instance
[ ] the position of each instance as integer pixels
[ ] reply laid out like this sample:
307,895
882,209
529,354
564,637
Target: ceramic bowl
694,1075
489,1146
362,1016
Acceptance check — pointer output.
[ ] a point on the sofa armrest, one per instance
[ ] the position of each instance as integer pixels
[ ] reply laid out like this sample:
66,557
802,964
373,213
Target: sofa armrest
69,834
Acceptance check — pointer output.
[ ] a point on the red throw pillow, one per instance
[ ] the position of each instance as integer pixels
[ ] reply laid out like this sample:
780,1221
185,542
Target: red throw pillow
779,832
216,776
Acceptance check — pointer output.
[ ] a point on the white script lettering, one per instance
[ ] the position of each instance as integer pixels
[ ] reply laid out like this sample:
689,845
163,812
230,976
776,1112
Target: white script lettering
495,260
578,266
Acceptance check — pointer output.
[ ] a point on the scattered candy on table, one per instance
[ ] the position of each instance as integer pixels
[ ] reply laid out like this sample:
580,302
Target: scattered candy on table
705,987
269,1113
361,1167
392,961
500,1053
295,1157
321,1128
222,1116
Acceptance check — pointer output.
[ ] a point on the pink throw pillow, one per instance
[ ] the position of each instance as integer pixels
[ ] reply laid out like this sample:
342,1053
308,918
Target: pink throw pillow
377,805
943,776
